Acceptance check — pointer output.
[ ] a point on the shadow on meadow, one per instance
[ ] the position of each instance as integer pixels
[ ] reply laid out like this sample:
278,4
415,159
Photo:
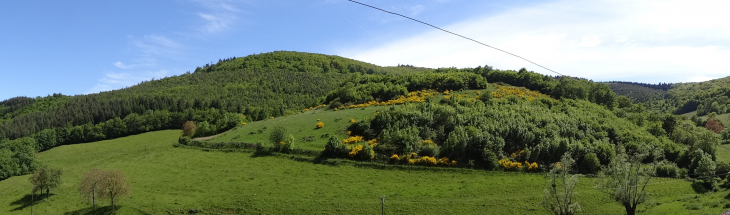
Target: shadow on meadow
25,201
699,187
106,210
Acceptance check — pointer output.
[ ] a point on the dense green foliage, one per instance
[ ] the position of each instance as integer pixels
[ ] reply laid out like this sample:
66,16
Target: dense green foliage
468,129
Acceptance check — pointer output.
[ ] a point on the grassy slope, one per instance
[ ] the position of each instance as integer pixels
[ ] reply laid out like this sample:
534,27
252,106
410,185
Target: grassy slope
166,179
300,126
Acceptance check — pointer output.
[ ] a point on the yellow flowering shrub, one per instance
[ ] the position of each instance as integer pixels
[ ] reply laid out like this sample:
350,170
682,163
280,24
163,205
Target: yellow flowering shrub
271,117
509,165
531,166
348,133
353,139
352,120
411,161
427,161
518,154
414,97
394,158
428,142
503,91
444,161
355,150
373,142
320,125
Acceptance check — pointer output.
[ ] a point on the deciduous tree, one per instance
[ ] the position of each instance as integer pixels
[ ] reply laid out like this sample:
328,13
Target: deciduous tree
625,180
45,178
115,184
189,129
557,198
90,186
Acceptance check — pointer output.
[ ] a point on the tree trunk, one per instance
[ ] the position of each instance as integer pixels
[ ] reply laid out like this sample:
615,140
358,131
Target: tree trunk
112,197
630,210
93,198
48,192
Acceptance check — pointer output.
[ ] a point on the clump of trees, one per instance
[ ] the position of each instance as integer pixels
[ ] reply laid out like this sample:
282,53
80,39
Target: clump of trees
100,184
470,130
17,157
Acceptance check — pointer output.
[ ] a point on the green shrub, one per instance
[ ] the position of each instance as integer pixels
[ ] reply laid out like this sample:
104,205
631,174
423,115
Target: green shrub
288,144
334,148
406,139
366,153
666,169
590,163
605,153
431,150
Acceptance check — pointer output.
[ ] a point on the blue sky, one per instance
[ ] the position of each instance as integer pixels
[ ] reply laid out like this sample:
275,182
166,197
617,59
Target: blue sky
80,47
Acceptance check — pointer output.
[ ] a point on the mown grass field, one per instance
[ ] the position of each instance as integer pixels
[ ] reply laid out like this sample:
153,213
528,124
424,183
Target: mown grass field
169,180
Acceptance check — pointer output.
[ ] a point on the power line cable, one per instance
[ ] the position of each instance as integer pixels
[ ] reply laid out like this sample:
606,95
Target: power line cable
419,21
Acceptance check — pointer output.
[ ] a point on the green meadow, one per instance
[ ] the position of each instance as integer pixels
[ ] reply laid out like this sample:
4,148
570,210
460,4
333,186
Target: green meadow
169,180
302,126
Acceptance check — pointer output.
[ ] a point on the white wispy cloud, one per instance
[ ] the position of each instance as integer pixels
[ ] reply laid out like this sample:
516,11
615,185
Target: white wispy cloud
219,16
122,65
155,46
417,9
118,80
674,41
213,23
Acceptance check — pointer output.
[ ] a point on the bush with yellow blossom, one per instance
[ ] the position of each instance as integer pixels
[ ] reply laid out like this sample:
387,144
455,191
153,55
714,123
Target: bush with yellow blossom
320,125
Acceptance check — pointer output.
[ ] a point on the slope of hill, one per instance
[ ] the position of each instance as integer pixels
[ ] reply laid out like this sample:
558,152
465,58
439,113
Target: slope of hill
703,97
167,180
637,93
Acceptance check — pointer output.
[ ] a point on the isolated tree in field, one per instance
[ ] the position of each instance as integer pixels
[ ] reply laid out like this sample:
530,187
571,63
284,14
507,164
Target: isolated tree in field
45,178
277,136
189,129
625,180
557,198
114,184
90,186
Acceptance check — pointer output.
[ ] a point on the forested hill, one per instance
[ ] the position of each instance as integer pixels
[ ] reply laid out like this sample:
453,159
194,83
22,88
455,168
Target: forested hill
236,90
639,92
703,97
260,86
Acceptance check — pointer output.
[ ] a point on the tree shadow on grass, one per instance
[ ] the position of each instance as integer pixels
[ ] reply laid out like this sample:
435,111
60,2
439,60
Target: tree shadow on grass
106,210
26,200
263,152
699,187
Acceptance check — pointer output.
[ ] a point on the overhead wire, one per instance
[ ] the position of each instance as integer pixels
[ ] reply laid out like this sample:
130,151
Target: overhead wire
459,35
